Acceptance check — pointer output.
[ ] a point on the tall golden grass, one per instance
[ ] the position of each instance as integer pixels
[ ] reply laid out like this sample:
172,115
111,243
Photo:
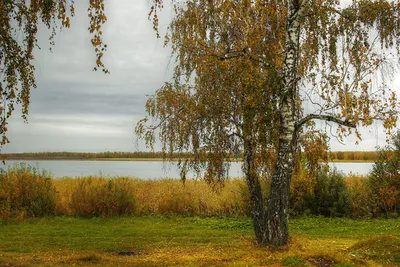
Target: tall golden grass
96,196
363,203
24,191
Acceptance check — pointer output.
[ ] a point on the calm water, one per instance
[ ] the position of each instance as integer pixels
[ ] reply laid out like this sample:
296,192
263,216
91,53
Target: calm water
145,169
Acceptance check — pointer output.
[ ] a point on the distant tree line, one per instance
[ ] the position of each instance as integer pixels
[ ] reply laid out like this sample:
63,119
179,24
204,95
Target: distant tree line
332,156
353,155
99,155
89,155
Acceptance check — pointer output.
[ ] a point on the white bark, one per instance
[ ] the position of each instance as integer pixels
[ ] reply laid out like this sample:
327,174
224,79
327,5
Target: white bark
278,201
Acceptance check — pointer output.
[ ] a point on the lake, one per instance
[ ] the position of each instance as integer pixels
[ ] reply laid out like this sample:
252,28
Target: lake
145,169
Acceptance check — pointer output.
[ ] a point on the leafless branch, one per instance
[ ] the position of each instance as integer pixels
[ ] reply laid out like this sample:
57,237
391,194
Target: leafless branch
333,134
325,118
163,120
312,102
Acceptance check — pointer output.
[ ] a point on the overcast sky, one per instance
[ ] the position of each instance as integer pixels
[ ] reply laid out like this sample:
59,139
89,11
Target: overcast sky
76,109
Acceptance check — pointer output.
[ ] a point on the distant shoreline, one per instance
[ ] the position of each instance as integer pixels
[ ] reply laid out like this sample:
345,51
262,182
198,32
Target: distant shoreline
333,156
352,161
94,159
106,159
153,159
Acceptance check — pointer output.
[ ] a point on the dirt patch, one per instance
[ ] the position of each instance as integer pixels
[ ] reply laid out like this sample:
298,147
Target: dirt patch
90,258
127,253
321,261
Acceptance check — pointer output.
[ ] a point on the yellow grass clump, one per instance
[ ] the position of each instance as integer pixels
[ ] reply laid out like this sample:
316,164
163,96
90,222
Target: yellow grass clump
95,196
24,191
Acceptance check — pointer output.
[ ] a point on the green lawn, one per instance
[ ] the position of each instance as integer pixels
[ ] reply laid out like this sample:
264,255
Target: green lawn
193,241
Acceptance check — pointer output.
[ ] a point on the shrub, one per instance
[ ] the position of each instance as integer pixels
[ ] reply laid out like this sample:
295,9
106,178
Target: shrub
24,191
102,197
362,201
384,179
331,197
301,191
310,161
194,197
81,196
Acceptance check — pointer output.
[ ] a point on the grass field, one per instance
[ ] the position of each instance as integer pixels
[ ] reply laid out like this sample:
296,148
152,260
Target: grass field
194,241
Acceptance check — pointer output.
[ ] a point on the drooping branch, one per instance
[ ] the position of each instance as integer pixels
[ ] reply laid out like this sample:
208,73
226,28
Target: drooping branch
325,118
230,54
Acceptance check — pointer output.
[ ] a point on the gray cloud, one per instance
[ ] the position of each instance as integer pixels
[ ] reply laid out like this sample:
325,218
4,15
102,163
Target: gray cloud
66,99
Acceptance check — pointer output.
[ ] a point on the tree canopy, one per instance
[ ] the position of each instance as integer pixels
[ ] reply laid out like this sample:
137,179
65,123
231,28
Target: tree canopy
254,75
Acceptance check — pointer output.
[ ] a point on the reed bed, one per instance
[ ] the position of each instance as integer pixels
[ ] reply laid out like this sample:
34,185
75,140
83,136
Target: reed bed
26,192
97,196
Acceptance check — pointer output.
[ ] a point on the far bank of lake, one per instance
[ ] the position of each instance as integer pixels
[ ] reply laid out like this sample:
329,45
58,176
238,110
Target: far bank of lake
147,169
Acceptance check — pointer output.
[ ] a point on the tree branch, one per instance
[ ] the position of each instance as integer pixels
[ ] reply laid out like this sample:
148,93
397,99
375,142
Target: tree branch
154,127
230,54
325,118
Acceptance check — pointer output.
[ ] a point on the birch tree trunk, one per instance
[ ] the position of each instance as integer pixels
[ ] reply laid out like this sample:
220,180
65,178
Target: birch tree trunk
252,178
277,209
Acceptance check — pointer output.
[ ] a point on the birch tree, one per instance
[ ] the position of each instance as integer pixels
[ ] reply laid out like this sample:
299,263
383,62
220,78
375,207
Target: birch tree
245,72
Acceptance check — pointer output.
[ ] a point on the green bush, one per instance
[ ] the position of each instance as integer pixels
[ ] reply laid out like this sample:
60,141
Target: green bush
103,197
24,191
363,204
384,179
301,192
331,197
